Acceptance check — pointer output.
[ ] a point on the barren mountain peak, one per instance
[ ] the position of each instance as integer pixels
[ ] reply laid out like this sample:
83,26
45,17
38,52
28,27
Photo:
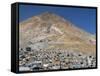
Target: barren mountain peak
50,16
49,26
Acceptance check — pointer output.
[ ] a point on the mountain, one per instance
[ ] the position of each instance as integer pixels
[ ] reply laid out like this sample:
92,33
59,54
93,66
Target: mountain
50,31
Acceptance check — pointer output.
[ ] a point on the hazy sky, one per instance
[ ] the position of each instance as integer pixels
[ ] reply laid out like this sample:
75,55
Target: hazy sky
82,17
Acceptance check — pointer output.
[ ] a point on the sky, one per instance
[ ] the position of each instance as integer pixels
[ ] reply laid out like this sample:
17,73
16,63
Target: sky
83,18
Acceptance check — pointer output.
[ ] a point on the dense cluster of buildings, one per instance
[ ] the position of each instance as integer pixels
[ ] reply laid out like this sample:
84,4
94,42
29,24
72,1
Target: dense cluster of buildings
52,59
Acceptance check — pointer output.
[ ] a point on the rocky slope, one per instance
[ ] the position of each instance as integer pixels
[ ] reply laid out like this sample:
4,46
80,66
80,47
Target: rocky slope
49,26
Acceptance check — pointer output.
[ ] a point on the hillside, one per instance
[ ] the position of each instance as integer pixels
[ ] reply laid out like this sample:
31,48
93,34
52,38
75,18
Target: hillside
57,29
